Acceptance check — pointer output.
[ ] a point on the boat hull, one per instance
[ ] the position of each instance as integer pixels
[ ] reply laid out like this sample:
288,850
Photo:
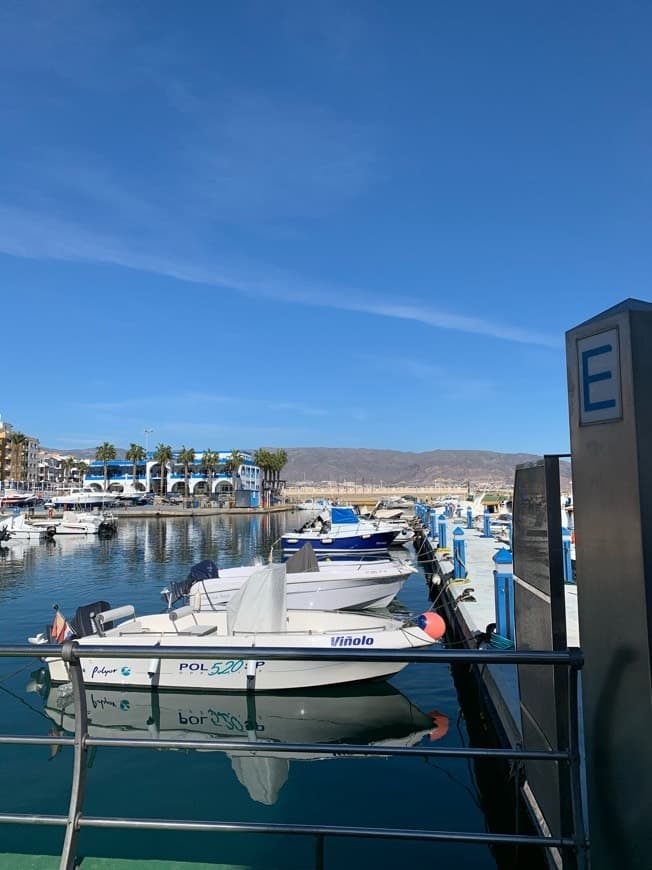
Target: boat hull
360,585
213,671
342,546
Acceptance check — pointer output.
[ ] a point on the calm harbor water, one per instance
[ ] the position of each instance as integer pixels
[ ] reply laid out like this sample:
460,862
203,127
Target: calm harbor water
131,568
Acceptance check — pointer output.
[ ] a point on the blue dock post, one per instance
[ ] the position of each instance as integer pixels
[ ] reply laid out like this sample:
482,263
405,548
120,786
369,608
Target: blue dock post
459,554
458,512
566,555
441,532
469,517
486,526
432,522
504,594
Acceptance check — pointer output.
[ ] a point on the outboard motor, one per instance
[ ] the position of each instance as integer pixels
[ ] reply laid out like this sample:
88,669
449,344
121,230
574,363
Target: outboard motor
204,570
82,622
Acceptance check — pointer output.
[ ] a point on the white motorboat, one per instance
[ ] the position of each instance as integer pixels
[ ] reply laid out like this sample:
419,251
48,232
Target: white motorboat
79,523
16,498
373,714
79,497
314,506
256,616
17,528
341,533
311,585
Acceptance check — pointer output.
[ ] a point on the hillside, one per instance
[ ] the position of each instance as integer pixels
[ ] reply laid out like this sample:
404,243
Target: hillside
317,465
339,464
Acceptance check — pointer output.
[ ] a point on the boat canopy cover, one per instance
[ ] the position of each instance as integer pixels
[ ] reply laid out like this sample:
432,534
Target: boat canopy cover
260,604
344,516
303,560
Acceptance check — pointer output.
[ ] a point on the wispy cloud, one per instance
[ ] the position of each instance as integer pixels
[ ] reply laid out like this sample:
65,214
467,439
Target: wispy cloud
450,380
26,234
179,399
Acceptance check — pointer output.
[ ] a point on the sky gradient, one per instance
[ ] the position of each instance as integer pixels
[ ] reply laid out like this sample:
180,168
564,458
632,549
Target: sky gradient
360,224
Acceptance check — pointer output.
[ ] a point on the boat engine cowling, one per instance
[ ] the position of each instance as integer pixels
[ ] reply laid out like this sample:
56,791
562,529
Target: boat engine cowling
82,623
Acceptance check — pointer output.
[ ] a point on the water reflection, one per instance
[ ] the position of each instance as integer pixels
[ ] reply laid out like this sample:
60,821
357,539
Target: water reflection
373,715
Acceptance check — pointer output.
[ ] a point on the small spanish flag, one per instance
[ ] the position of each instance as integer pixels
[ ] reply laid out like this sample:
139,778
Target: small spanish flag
60,630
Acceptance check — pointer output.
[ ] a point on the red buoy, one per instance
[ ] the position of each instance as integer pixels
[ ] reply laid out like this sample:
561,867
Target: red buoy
432,624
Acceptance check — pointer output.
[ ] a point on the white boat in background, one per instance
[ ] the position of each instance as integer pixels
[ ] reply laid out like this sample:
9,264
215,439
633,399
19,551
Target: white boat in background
17,528
16,498
79,523
84,496
311,585
256,616
316,505
374,714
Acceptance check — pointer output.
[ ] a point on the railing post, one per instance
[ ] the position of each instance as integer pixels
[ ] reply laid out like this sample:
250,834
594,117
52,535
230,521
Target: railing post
459,554
486,524
504,594
80,761
469,517
441,532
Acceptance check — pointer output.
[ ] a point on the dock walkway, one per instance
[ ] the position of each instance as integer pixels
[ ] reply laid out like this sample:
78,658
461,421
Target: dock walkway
469,606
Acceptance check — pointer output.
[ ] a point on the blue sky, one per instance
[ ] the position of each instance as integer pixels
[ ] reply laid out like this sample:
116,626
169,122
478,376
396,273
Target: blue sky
360,224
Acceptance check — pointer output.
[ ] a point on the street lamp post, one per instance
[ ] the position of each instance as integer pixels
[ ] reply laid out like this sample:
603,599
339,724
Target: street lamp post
147,434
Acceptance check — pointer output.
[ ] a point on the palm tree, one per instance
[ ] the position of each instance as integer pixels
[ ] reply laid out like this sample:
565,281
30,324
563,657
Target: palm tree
187,457
281,462
81,467
263,459
135,454
18,441
233,465
68,464
105,454
162,455
210,462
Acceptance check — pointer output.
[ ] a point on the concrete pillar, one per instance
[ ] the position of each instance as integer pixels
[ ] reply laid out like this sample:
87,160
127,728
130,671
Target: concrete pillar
609,363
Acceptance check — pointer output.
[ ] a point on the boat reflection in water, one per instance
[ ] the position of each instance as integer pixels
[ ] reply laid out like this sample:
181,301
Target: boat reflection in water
375,714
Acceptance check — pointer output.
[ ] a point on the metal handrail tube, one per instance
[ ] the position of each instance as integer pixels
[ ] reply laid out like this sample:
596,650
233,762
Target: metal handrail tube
326,830
277,828
73,654
571,657
261,746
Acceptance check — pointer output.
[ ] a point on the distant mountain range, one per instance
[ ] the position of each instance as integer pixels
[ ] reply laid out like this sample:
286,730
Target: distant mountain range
482,468
317,465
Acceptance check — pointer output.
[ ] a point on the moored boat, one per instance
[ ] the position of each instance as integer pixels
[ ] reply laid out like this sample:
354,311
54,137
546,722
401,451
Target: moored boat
16,527
340,533
256,616
82,497
79,523
311,584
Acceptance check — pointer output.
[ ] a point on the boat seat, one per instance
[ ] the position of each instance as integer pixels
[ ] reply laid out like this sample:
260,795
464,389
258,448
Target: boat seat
195,628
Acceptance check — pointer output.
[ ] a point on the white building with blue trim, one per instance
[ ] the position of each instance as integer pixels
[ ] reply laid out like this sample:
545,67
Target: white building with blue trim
121,481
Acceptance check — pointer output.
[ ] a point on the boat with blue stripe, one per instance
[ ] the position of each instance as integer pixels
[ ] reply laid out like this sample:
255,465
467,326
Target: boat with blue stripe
341,535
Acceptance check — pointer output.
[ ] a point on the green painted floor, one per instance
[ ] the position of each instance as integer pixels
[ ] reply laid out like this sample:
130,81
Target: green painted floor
51,862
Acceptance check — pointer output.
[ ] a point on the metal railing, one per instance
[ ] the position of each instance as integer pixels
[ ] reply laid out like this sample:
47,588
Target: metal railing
573,849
